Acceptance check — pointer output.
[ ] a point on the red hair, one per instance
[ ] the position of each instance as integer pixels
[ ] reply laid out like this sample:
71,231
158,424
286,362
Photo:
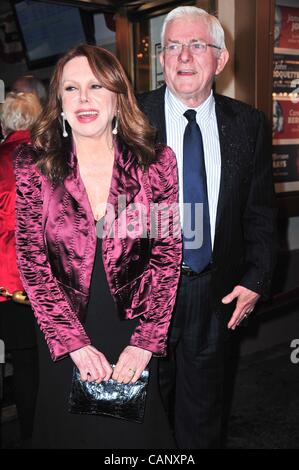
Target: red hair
134,131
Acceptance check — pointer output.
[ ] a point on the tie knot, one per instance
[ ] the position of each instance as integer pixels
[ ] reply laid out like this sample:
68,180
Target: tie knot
190,114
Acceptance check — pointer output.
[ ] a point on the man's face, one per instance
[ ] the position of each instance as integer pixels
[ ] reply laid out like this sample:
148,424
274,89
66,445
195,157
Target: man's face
190,76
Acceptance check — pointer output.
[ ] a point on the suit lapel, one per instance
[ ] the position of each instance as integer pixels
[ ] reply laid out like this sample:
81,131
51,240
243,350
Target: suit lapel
160,117
154,108
230,144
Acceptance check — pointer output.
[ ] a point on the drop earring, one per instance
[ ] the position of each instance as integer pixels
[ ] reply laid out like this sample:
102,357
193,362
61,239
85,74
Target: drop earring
115,129
64,131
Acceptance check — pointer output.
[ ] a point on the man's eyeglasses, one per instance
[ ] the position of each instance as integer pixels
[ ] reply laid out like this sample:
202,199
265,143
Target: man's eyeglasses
195,47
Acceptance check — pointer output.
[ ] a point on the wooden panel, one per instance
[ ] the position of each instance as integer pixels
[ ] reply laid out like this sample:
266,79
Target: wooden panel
208,5
245,51
124,42
265,11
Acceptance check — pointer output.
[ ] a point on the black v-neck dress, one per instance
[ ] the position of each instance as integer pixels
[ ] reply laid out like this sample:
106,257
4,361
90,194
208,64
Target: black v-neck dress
55,427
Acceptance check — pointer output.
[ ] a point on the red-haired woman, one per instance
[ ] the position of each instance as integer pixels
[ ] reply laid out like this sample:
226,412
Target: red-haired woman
93,159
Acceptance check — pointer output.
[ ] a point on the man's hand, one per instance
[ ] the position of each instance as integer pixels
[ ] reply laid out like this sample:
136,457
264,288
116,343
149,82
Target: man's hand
246,300
131,364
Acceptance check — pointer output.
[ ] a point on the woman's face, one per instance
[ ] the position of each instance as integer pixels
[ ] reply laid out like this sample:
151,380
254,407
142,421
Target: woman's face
88,107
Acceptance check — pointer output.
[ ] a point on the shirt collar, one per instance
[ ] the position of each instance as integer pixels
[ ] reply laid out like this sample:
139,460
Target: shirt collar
177,108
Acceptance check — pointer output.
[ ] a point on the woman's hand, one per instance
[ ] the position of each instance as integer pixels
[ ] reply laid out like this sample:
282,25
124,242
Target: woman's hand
92,364
131,363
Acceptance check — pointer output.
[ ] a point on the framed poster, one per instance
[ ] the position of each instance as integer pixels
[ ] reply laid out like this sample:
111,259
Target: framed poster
285,124
286,30
156,48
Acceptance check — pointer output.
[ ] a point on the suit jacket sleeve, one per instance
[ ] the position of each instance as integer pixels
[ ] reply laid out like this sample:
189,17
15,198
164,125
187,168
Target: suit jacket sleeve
259,219
63,331
165,261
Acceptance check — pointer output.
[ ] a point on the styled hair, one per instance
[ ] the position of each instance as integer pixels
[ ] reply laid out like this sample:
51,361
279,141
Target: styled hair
31,84
19,111
134,131
216,30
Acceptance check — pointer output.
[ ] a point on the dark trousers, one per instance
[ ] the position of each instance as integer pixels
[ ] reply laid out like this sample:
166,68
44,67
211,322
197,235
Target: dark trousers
25,382
18,333
192,376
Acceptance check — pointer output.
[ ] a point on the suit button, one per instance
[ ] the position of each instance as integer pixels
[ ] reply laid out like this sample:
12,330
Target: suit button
135,257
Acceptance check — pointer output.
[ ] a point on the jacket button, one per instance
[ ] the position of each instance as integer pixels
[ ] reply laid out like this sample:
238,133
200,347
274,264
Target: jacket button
135,257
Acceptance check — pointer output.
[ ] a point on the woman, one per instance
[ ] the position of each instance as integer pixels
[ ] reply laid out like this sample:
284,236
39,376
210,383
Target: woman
79,168
18,114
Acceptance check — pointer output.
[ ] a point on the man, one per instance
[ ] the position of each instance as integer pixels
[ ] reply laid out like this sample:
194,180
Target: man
225,166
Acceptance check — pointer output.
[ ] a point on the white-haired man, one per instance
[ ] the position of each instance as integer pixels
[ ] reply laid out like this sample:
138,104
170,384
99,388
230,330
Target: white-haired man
224,168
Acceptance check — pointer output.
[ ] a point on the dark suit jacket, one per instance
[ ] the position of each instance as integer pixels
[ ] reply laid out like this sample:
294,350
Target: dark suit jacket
245,239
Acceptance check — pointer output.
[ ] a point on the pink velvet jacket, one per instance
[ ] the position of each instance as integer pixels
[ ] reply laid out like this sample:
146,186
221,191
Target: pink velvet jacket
56,242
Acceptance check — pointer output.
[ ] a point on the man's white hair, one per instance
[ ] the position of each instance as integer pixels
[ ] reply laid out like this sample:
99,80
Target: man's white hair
216,30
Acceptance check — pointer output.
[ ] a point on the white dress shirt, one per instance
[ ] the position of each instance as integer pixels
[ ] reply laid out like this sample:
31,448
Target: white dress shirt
175,128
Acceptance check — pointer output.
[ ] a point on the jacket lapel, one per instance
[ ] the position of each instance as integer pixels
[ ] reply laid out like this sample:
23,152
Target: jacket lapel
230,146
153,105
124,183
160,116
123,189
74,185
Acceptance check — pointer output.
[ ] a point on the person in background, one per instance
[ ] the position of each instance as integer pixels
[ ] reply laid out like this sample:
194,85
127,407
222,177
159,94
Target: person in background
30,84
93,163
18,114
225,174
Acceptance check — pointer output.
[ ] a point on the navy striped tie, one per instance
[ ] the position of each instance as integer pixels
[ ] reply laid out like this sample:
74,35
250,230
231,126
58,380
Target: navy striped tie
198,256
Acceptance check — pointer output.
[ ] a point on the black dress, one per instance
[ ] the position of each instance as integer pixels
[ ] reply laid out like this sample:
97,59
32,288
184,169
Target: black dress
55,427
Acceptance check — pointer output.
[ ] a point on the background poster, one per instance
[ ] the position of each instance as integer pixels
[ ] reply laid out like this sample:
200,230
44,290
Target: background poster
286,73
157,78
285,122
286,167
285,128
286,31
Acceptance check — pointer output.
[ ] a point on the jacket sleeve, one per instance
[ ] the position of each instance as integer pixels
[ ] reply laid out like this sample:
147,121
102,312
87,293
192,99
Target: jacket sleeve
62,329
165,260
259,219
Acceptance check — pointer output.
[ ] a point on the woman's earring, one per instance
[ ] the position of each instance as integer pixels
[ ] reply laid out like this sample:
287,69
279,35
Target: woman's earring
115,129
64,132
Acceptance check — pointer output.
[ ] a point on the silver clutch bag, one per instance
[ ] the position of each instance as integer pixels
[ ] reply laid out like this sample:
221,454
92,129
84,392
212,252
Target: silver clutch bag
110,398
